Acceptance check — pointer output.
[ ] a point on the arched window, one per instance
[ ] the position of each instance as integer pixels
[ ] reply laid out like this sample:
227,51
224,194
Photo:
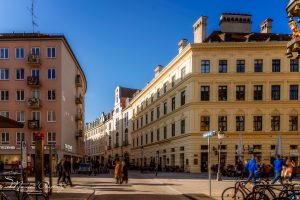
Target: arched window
117,138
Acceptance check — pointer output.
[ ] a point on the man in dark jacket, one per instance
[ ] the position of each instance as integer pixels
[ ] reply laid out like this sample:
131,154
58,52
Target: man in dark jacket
67,170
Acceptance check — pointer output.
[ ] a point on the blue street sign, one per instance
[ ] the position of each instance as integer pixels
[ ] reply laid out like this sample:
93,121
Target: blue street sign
209,134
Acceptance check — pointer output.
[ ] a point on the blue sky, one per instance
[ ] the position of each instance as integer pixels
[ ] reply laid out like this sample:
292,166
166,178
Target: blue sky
120,42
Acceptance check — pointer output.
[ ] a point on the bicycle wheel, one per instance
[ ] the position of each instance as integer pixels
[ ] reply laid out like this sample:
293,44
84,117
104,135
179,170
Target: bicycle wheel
257,196
2,196
294,196
232,193
35,197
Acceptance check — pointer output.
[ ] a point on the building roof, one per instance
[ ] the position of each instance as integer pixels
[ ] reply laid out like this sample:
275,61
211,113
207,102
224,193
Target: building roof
218,36
242,14
9,123
42,36
127,92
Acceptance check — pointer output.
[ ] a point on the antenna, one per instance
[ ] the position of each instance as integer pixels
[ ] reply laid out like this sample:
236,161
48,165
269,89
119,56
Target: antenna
33,16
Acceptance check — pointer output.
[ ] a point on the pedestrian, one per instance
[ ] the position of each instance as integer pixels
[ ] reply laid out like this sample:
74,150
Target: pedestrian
278,164
251,167
290,164
67,171
118,172
60,170
124,172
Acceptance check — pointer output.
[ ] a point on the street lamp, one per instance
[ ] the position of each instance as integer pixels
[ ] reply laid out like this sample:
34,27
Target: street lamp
220,137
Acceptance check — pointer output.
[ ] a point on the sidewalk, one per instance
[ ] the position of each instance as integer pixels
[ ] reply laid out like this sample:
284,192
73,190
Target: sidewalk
76,192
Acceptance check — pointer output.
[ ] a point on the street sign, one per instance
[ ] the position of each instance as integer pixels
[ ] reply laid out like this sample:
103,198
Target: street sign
209,134
24,154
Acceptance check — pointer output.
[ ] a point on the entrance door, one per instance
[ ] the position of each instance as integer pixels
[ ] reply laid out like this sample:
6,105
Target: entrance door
204,161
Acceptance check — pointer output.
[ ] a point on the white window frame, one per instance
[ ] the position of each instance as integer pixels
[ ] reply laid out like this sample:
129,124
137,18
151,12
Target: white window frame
51,116
5,73
4,97
20,95
51,95
6,137
34,49
16,53
52,136
183,73
20,116
51,52
17,74
4,114
4,55
51,74
21,136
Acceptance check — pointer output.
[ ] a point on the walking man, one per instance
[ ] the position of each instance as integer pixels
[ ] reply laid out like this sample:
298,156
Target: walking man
67,171
278,164
251,167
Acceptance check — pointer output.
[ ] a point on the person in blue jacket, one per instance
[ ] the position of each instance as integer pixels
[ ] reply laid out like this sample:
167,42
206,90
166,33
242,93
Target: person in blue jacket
278,164
252,167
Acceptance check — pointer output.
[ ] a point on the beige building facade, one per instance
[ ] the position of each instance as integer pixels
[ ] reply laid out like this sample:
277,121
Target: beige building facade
42,85
236,81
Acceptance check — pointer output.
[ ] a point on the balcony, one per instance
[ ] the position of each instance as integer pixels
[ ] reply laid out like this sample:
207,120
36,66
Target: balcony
34,124
33,103
33,81
78,81
108,147
125,143
79,133
34,60
78,117
78,99
116,145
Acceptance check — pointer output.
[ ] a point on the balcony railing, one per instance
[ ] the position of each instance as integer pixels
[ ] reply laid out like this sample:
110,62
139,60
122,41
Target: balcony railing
116,145
78,117
78,81
33,81
34,124
34,60
79,133
78,99
33,102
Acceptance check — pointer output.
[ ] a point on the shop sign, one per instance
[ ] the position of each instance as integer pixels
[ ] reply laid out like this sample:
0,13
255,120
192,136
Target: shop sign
68,147
7,147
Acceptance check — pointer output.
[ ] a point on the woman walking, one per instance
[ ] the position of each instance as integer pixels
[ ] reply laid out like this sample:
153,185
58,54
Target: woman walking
124,172
118,171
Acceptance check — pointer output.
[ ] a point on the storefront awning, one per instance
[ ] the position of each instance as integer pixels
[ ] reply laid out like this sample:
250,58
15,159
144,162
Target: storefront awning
9,123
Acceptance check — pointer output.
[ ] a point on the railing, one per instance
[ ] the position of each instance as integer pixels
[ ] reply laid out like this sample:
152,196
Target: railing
78,100
33,81
125,143
78,117
34,124
79,133
78,81
33,102
34,60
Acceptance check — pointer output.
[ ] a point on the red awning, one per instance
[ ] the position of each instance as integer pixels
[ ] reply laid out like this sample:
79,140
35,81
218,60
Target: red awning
9,123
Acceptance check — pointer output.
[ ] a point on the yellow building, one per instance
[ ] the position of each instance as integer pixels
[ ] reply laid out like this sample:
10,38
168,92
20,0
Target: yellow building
234,80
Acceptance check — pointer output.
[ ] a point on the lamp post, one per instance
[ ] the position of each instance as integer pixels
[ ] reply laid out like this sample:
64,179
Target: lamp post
220,137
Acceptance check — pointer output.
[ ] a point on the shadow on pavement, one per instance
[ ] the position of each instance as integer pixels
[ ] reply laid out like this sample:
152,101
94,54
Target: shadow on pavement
139,197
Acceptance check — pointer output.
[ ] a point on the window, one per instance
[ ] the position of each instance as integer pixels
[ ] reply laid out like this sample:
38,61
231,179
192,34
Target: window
51,116
165,132
157,135
275,65
51,74
146,118
182,126
240,123
36,115
240,92
240,66
4,74
165,107
51,95
4,95
165,87
204,93
4,114
20,74
258,92
152,115
33,138
35,72
20,95
173,129
182,98
142,120
222,93
157,112
275,94
293,92
205,120
35,94
183,73
173,103
257,123
258,65
51,52
151,136
205,66
5,138
222,66
152,98
173,81
51,137
20,116
20,137
19,53
294,65
275,123
293,123
3,53
146,138
35,51
222,123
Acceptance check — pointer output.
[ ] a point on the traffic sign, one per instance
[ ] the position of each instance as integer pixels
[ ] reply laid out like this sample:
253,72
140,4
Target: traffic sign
209,134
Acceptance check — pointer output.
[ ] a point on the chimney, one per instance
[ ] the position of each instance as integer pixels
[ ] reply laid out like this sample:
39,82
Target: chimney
200,29
158,69
182,44
266,26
